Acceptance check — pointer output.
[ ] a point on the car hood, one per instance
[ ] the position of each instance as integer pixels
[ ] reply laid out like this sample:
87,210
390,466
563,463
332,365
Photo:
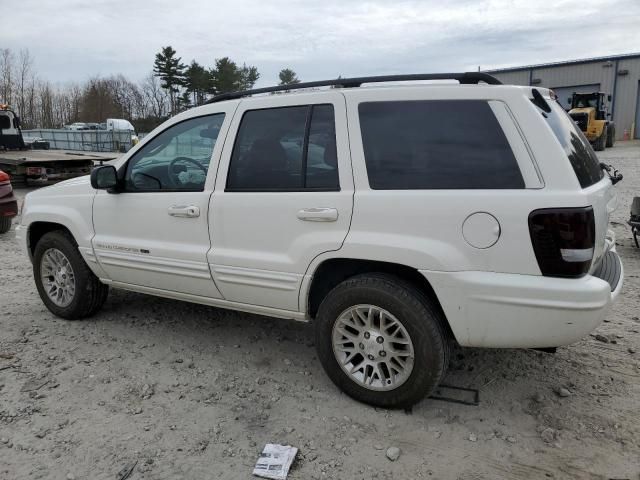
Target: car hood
73,186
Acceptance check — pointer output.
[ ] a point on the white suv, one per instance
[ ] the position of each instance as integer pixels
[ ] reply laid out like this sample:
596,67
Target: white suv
398,218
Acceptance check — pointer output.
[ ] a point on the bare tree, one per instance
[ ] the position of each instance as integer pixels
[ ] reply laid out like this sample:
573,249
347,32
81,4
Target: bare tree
23,77
155,96
6,75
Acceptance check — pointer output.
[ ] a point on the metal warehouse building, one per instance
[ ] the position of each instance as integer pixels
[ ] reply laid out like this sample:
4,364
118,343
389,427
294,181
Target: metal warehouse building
616,75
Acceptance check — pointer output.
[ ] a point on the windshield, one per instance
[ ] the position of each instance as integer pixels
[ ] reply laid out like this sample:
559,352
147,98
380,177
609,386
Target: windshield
578,149
584,102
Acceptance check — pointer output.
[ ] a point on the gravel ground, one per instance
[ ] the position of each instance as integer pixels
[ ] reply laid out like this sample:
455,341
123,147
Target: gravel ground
194,392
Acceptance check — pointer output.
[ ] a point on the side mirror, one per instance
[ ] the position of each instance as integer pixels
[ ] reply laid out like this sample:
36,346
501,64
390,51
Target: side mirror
569,101
104,177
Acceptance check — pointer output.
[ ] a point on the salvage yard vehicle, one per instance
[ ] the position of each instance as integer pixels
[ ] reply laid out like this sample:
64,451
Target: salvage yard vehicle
8,203
43,167
589,111
10,133
399,219
27,162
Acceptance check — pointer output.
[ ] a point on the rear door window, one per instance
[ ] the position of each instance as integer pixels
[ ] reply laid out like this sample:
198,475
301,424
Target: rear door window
578,149
436,144
285,149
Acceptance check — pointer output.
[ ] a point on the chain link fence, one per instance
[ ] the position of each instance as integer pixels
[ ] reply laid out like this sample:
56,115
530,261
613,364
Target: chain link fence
84,140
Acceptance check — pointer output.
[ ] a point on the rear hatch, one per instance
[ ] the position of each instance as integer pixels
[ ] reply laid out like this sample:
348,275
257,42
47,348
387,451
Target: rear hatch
595,184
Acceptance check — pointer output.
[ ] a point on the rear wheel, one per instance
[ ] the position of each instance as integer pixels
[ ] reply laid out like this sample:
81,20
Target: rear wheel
5,224
611,135
66,285
600,143
381,341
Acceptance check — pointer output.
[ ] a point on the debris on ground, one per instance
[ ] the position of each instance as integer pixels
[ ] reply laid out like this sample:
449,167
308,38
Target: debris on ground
126,471
393,453
275,461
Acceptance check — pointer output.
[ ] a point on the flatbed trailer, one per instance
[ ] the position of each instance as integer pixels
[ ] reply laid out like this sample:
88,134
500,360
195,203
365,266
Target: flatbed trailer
43,167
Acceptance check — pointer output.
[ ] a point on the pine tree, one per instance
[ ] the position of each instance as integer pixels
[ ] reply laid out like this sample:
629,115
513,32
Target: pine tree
226,76
249,76
288,77
171,71
197,82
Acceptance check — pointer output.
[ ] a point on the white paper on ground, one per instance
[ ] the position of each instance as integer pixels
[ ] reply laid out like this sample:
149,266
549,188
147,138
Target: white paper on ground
275,461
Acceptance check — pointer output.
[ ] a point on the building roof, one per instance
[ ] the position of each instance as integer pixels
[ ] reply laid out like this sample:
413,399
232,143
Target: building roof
567,62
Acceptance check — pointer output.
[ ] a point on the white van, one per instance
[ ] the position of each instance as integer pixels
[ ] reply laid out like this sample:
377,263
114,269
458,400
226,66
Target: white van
119,124
122,124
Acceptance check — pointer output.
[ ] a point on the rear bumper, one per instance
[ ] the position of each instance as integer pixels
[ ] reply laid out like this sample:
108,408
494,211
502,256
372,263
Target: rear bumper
500,310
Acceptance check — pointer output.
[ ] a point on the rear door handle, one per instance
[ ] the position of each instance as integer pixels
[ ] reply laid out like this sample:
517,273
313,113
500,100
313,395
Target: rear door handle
318,214
188,211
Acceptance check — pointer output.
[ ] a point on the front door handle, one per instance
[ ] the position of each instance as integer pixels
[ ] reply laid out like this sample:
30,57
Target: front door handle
188,211
318,214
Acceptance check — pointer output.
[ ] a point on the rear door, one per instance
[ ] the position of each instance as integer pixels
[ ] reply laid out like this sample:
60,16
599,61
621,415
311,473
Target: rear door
284,194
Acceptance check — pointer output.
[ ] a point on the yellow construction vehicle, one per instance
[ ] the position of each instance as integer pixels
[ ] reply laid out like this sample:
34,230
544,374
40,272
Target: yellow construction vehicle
589,111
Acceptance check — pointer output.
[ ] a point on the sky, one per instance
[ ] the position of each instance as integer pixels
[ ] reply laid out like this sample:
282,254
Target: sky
73,40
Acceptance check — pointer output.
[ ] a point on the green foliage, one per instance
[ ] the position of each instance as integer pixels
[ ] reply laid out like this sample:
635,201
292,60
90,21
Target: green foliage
197,82
183,101
249,76
170,70
288,77
226,76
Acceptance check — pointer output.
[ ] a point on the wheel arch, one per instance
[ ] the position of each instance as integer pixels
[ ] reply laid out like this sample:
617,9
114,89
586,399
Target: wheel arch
39,229
333,271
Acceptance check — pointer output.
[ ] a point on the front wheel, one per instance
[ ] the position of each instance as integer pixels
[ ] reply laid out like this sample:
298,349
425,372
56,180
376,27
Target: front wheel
66,285
381,341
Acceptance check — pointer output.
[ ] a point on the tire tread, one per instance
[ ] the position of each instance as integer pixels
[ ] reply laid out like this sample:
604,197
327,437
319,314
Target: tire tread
94,292
432,327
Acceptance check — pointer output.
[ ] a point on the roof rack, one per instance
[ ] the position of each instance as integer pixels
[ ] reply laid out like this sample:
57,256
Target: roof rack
464,78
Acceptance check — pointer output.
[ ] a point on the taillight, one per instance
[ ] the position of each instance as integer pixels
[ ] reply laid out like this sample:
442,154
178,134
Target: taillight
563,240
4,177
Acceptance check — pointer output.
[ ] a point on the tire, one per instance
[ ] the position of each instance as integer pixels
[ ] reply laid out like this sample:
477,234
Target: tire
600,143
5,224
89,294
422,323
611,136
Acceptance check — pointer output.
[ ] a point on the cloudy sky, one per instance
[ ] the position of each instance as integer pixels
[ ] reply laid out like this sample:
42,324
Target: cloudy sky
72,40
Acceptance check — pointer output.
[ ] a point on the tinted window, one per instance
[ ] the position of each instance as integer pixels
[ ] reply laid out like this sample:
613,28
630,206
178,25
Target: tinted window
322,156
176,159
289,148
581,155
5,122
436,145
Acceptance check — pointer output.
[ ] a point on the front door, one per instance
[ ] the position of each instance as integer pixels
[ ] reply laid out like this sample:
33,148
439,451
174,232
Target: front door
154,232
283,196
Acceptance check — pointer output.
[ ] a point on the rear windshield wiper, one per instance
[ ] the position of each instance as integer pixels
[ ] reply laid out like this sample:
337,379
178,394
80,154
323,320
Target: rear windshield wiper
615,177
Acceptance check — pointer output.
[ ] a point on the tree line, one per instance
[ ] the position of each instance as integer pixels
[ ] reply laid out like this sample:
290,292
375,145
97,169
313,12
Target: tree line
169,88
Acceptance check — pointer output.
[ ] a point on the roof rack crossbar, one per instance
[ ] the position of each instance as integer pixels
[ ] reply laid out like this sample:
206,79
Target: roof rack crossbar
464,78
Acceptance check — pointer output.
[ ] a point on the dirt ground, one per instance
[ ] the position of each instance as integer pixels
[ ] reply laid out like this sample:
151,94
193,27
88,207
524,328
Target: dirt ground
194,392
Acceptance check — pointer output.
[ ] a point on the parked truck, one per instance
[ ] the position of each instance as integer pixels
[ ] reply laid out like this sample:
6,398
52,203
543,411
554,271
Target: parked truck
26,166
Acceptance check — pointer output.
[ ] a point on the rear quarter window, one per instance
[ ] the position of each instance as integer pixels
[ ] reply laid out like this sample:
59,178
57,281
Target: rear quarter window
436,144
583,159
